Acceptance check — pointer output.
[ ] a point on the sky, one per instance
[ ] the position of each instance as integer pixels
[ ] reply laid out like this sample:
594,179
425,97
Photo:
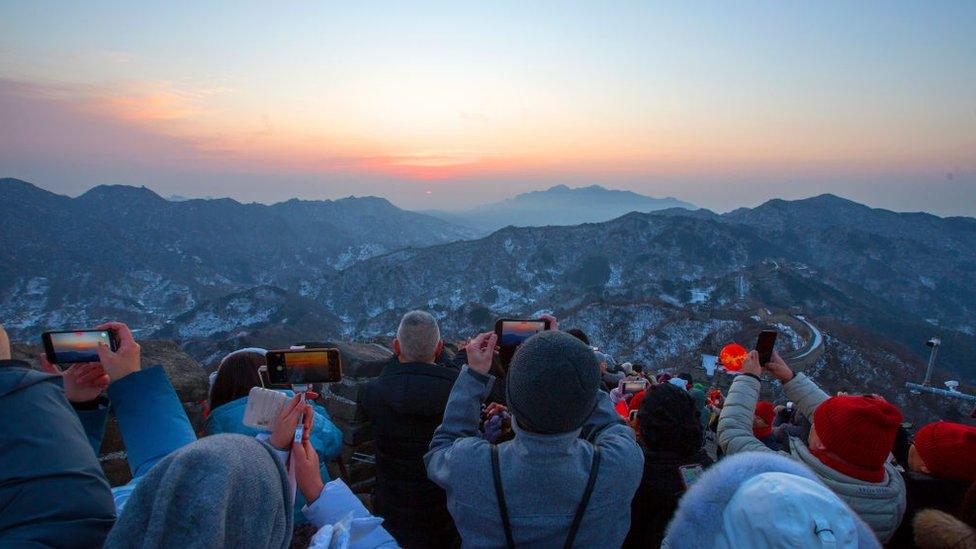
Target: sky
454,104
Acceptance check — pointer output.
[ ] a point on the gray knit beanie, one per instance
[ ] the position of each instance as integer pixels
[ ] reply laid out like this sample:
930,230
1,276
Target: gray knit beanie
220,491
551,385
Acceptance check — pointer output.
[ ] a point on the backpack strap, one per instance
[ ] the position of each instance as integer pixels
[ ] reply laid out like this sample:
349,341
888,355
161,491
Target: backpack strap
581,510
500,495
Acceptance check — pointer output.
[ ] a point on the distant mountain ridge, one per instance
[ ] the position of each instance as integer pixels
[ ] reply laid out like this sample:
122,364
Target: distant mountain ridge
659,286
559,205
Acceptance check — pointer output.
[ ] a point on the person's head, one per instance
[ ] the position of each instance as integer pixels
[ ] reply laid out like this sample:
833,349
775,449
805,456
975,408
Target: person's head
663,378
602,361
854,435
762,420
579,334
236,376
945,450
764,500
668,421
232,486
638,368
418,338
551,385
689,381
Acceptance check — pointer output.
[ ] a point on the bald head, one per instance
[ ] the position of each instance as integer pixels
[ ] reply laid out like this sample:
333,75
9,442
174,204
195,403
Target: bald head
418,338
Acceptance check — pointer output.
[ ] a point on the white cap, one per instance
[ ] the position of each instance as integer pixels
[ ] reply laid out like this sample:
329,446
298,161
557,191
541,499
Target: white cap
787,511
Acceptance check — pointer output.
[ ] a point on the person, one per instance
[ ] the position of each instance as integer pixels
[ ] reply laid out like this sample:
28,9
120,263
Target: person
848,447
936,529
762,425
941,466
560,481
236,375
672,437
53,492
697,393
764,500
406,404
230,490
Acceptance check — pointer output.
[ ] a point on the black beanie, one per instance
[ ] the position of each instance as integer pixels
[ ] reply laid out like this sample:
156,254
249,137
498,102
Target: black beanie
551,386
668,421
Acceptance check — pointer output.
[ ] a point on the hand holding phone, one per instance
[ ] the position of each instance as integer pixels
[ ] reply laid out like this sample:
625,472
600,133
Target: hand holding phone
283,433
82,382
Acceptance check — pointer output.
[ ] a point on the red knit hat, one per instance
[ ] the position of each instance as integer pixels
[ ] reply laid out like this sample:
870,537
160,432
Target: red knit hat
948,450
858,433
764,409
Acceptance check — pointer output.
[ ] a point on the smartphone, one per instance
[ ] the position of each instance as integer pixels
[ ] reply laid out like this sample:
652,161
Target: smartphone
296,367
71,346
512,332
764,346
636,386
690,474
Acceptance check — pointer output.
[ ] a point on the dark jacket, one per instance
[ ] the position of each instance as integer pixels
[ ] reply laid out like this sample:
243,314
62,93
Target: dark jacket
926,492
52,490
406,404
657,497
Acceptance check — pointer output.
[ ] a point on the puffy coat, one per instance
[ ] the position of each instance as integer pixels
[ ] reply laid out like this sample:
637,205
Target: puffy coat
406,404
881,504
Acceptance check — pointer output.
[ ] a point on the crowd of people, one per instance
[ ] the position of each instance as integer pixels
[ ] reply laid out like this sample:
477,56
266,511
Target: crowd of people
560,446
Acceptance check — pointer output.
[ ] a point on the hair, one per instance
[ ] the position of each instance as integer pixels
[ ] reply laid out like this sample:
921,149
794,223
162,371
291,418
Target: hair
418,336
639,368
236,376
579,334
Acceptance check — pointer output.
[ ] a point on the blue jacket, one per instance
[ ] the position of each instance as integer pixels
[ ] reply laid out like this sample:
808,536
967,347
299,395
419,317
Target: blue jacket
544,476
325,438
151,418
52,490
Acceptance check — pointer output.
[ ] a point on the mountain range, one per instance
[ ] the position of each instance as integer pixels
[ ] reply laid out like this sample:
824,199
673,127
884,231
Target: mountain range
660,287
559,205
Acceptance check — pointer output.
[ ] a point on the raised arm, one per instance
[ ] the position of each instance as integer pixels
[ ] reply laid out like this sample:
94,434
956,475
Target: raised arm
735,422
150,415
463,410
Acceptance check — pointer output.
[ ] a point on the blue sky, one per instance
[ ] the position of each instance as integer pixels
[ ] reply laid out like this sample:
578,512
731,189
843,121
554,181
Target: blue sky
446,104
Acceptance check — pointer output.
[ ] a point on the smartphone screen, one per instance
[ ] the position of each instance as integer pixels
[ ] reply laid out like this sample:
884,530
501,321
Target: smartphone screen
690,474
304,366
634,386
512,333
764,346
75,346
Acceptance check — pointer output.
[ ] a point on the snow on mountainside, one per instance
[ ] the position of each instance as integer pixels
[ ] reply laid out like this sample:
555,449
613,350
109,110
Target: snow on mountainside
660,287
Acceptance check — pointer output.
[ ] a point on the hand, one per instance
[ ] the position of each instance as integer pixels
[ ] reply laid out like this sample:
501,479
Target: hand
4,344
553,323
307,473
83,382
494,409
124,360
751,364
481,350
285,424
778,368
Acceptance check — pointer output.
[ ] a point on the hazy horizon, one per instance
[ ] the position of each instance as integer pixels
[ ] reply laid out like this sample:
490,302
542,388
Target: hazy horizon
448,106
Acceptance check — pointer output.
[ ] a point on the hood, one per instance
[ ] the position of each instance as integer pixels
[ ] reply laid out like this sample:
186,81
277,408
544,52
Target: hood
891,487
935,529
700,514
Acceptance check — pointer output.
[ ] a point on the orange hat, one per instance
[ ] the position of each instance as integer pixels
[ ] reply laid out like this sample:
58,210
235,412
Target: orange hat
948,450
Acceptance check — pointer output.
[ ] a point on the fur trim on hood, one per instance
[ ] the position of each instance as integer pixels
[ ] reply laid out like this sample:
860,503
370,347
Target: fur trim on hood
935,529
699,517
